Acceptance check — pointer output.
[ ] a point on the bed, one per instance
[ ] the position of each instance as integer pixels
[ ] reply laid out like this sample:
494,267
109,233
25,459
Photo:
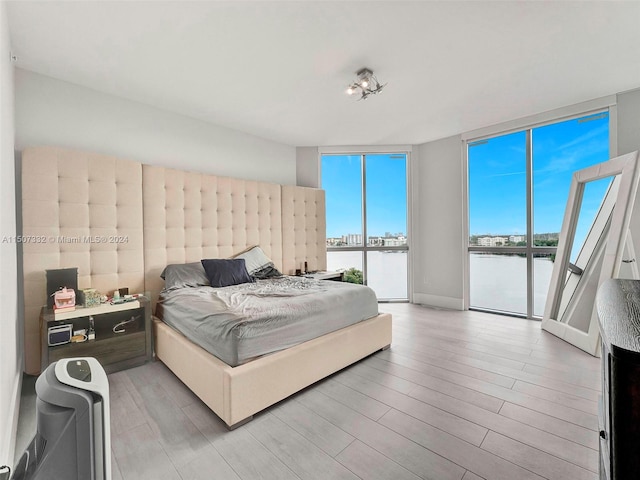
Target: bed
240,322
248,343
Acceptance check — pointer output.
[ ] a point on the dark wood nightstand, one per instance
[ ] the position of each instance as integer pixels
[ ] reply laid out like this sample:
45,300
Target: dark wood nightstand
115,351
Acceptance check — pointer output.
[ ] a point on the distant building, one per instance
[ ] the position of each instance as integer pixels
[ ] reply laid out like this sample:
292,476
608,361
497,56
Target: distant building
516,238
395,241
352,239
492,241
375,241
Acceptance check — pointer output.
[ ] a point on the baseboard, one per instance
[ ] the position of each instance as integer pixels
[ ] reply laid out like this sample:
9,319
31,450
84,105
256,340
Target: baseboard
438,301
9,440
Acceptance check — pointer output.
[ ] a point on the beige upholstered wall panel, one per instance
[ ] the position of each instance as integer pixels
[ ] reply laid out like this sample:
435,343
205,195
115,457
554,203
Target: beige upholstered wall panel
83,210
190,216
304,234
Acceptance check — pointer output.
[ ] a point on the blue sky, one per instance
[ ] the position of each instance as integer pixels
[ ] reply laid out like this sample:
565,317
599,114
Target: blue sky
497,179
386,194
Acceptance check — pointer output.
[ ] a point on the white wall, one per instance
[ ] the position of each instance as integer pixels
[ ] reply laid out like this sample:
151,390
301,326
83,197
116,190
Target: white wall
438,212
628,119
308,167
628,106
10,356
53,112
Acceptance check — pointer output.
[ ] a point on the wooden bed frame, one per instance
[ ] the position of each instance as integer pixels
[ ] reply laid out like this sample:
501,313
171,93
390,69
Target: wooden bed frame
172,216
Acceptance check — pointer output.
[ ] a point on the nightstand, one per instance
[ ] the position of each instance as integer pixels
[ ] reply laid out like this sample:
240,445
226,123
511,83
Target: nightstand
130,347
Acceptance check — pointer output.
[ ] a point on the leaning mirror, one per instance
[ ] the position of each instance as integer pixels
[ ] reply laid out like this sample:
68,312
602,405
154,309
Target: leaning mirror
586,252
590,248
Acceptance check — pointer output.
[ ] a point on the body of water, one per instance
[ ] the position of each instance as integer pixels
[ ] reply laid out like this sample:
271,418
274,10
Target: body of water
497,282
387,271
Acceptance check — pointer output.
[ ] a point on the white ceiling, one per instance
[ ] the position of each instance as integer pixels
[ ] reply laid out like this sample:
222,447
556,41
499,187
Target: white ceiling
279,70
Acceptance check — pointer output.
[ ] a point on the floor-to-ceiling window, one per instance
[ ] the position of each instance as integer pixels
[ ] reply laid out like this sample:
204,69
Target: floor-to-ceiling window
366,202
518,185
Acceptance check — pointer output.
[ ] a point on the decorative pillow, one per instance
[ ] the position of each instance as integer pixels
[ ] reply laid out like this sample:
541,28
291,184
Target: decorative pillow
258,264
226,272
184,275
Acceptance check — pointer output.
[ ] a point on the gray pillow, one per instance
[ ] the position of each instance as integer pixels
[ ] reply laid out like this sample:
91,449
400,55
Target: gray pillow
184,275
226,272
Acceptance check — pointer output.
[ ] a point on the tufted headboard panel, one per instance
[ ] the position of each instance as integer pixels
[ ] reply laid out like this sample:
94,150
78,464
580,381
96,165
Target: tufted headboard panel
190,216
304,235
78,210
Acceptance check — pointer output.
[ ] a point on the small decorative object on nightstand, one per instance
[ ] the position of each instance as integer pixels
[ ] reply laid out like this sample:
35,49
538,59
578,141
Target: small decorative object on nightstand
90,297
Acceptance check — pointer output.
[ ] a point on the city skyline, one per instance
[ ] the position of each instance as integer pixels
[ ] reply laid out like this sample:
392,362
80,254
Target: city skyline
351,239
386,235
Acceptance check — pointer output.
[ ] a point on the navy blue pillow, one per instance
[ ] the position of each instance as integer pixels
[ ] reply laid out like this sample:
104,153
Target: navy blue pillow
226,272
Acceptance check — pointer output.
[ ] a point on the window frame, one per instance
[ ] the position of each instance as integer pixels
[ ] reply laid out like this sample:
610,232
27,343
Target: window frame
594,107
363,151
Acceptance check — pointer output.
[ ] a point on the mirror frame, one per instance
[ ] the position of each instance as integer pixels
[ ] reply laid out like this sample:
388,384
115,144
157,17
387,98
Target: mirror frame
627,167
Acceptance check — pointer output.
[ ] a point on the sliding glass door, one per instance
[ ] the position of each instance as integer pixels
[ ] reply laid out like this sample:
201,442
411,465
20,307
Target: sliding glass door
366,197
518,185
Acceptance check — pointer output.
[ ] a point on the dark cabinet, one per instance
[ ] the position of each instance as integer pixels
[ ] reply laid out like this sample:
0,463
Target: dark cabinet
122,334
618,306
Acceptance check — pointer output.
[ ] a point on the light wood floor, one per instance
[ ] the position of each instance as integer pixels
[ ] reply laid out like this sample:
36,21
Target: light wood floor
460,395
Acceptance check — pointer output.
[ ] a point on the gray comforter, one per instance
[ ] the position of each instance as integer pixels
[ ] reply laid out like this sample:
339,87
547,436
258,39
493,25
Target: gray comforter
241,322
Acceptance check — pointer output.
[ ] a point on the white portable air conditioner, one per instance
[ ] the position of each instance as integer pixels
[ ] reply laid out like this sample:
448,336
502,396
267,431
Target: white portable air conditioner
73,439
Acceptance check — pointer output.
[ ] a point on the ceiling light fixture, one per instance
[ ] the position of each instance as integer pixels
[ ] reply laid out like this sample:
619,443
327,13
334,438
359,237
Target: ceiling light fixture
366,84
